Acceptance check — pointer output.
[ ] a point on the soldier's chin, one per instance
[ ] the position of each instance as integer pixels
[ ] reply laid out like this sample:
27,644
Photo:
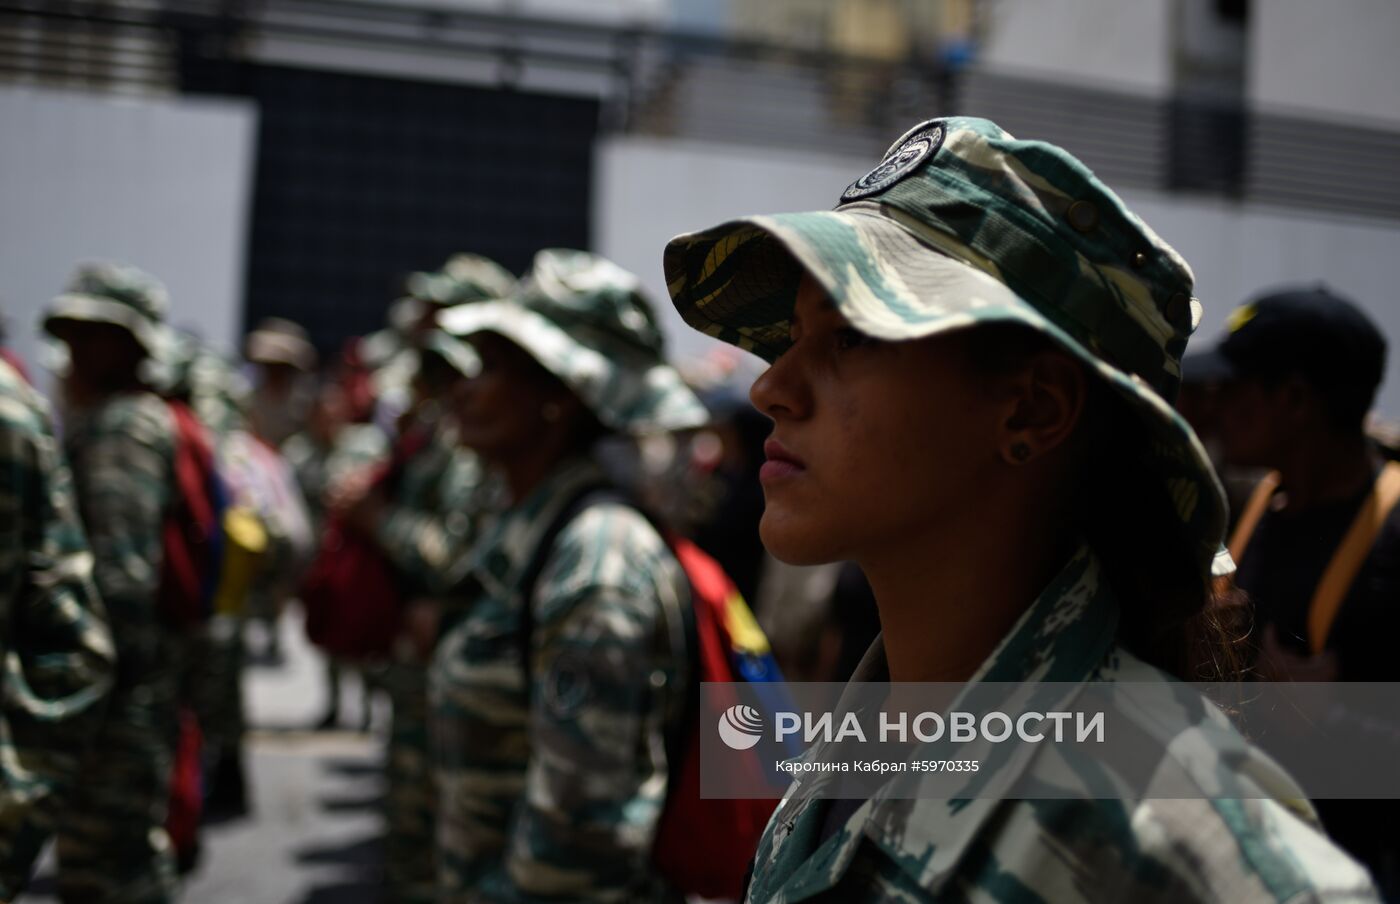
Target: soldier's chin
796,540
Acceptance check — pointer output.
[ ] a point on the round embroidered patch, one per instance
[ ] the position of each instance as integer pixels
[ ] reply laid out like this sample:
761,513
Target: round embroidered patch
906,155
568,686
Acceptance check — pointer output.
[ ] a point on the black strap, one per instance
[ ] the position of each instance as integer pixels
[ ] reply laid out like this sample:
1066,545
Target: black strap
593,494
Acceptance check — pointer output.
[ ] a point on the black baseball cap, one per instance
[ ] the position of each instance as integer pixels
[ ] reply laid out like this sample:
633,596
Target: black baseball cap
1306,330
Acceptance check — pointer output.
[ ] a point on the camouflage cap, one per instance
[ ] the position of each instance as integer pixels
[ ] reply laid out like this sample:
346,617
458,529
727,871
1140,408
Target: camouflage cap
464,278
961,224
585,319
118,294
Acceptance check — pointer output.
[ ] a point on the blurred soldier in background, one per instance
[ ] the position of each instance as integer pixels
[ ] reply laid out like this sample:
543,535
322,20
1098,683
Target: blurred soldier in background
57,652
553,694
391,352
120,438
1318,543
423,519
330,451
266,539
283,360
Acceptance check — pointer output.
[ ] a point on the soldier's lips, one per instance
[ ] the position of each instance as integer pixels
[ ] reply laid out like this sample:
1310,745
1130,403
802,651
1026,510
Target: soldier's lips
781,463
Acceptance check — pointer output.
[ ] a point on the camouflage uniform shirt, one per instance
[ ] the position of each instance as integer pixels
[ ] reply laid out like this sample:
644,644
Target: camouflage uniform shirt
430,519
122,453
1263,846
554,791
54,643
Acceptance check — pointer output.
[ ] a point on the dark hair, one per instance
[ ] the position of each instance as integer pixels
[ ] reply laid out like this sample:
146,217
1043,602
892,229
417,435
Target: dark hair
1171,616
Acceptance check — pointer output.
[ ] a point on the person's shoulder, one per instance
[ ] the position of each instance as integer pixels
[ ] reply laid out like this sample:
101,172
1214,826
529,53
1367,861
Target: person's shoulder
611,544
1235,825
142,417
22,410
1171,849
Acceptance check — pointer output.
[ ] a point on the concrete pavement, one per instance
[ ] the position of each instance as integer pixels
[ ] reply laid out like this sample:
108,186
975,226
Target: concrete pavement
313,834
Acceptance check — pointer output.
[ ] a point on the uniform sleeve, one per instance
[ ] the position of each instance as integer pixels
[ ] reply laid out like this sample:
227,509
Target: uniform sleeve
58,656
597,776
121,475
424,536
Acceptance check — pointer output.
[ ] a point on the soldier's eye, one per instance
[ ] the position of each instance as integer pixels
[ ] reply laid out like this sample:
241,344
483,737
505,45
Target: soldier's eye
850,337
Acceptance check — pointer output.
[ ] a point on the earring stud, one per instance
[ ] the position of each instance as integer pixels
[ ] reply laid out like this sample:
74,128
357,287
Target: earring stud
1020,453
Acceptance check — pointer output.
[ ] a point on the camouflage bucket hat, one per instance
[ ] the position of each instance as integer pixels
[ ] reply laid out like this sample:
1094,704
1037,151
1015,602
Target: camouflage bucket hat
961,224
458,354
585,320
117,294
464,278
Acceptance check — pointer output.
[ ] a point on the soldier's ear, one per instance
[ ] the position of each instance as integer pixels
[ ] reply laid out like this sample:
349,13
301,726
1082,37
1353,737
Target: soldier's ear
1048,394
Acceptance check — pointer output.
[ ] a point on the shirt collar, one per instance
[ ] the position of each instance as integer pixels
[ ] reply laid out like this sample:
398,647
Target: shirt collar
1063,637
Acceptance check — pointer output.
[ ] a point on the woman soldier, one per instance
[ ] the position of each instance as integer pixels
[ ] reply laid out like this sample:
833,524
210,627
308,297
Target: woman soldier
972,358
552,696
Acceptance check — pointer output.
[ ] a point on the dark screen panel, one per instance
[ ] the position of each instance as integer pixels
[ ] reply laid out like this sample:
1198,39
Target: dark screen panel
362,179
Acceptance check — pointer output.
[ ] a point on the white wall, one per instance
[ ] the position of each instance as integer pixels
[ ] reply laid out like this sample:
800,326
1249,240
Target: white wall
1110,44
162,184
1333,60
648,190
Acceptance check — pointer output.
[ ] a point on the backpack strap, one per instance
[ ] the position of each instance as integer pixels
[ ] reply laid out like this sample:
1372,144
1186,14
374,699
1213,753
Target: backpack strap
1253,513
1350,555
592,494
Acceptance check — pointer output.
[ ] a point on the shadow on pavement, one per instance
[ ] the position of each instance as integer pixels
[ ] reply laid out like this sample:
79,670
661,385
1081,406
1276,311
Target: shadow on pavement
344,893
362,853
349,804
352,767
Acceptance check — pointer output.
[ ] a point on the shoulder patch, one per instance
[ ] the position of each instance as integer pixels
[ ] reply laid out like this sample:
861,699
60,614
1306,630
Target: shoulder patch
903,158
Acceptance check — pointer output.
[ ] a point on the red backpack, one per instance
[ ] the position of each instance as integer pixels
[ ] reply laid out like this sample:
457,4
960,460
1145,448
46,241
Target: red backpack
192,532
703,846
351,592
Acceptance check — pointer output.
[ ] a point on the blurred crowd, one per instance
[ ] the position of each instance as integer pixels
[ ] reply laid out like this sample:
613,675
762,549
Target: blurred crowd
509,445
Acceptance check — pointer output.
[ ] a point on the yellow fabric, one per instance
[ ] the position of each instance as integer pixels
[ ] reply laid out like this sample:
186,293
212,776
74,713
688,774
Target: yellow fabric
744,633
245,543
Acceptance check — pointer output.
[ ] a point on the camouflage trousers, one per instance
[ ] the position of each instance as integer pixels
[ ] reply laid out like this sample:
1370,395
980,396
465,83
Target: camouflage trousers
214,682
28,811
410,812
112,845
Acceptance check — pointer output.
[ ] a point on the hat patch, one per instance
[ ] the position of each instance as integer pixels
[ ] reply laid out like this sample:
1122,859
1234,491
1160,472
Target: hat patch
900,162
1239,317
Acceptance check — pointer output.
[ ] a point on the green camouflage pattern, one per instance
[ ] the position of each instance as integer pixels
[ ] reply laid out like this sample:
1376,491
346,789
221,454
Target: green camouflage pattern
320,467
460,355
427,528
966,225
118,294
112,843
210,383
56,648
464,278
586,320
554,792
1248,835
429,524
